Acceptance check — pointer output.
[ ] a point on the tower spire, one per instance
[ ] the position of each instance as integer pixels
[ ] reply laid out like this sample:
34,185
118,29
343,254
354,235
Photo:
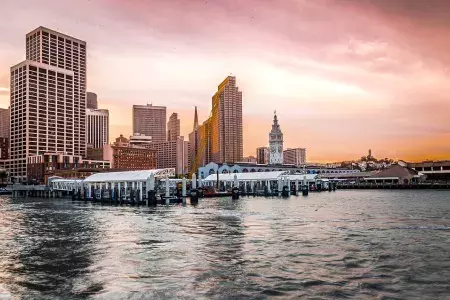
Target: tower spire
195,119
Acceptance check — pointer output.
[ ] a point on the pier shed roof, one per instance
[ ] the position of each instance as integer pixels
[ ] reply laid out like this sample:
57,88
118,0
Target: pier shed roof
129,176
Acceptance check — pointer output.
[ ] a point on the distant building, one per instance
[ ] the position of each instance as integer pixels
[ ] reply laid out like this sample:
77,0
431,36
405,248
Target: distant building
91,100
151,121
296,156
4,122
41,167
173,127
170,154
226,126
4,148
140,140
122,141
249,159
187,159
276,143
94,153
130,158
97,128
262,155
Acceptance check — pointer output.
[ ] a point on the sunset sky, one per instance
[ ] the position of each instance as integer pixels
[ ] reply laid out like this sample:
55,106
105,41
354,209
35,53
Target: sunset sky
344,76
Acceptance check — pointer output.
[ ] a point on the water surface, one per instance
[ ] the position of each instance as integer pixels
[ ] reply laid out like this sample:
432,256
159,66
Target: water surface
344,244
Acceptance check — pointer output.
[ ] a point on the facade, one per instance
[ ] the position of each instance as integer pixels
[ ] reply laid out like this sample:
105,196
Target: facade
226,123
94,153
173,127
4,122
187,159
296,157
48,99
140,140
213,168
150,120
61,51
41,167
276,143
262,155
97,127
130,158
91,100
4,148
170,154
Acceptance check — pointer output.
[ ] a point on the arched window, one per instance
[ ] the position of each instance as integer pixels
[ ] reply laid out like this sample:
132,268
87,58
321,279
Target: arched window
244,170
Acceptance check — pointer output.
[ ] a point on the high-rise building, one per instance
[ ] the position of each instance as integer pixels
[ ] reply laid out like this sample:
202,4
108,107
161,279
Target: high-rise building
97,127
170,154
276,143
48,99
187,158
150,120
295,156
4,122
55,49
262,155
140,140
173,127
226,123
91,100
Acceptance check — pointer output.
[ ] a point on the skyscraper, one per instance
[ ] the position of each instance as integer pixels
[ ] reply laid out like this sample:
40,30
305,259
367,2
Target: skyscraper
173,127
4,122
91,101
226,123
48,98
150,120
55,49
276,143
97,127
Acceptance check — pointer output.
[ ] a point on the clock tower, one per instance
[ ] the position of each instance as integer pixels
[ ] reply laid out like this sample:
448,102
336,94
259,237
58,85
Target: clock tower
276,143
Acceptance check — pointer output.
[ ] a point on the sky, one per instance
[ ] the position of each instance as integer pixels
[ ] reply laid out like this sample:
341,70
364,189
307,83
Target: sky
344,76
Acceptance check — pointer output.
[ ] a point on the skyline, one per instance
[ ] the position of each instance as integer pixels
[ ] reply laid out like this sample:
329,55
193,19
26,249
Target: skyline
374,80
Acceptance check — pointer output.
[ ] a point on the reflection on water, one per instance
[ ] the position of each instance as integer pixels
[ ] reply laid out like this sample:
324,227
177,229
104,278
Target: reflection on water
346,244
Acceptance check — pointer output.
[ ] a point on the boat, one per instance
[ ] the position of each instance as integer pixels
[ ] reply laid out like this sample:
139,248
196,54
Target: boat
210,192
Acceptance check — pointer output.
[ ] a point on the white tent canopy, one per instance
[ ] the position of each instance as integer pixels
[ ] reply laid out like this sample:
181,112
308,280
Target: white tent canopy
129,176
255,176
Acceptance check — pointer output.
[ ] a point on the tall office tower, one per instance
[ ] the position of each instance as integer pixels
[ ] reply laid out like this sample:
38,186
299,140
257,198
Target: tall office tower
295,156
97,127
173,127
150,120
91,100
48,99
276,143
55,49
226,123
4,122
262,155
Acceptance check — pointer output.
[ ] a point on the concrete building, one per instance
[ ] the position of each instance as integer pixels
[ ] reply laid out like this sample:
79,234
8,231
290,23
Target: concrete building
94,153
262,155
173,127
4,122
187,159
4,148
91,100
41,167
140,140
48,99
296,156
170,154
151,121
276,143
226,123
97,127
130,158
